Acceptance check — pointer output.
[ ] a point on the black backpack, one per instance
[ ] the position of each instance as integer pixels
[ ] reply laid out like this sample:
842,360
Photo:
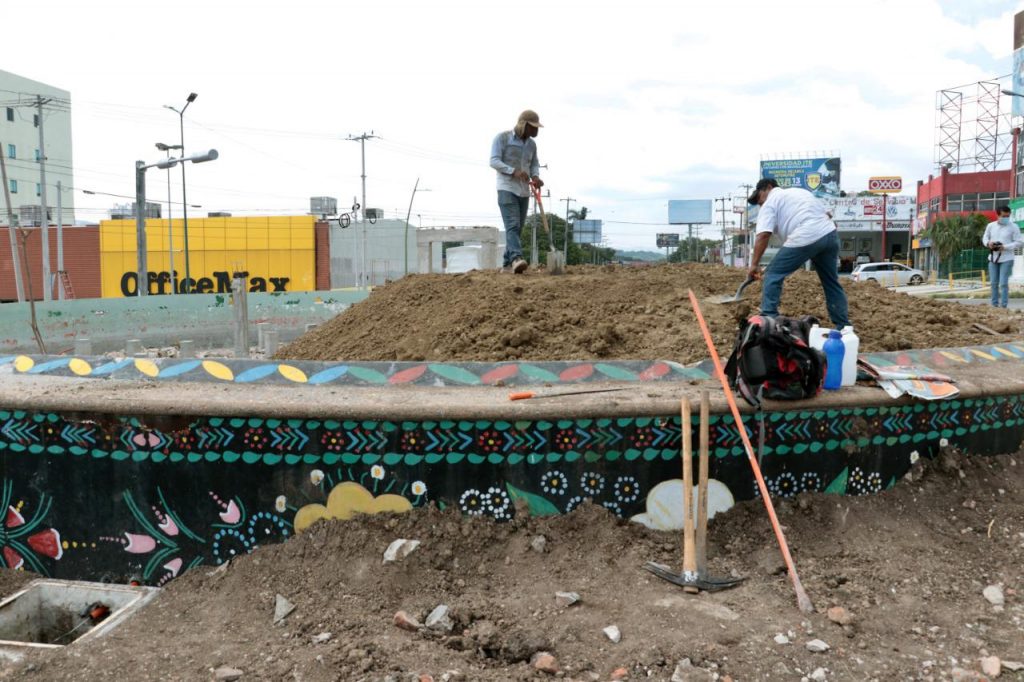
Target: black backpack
772,359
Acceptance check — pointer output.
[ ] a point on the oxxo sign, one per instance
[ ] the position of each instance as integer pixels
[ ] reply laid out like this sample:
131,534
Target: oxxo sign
887,184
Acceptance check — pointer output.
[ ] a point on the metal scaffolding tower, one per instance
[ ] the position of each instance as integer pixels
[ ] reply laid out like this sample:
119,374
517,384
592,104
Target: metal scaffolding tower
986,150
950,119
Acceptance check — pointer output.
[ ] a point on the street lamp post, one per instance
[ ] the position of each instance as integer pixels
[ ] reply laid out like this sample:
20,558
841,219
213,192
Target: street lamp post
170,230
184,201
415,189
142,276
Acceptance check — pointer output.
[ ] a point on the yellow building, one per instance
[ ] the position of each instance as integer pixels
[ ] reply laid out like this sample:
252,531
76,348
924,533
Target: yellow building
273,253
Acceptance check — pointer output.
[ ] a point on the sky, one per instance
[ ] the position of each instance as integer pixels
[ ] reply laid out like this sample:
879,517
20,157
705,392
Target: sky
641,102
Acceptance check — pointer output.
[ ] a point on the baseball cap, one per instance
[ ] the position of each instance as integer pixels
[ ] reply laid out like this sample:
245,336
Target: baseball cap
762,184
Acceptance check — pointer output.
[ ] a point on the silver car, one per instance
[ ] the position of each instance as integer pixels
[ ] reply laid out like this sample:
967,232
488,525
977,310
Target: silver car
888,274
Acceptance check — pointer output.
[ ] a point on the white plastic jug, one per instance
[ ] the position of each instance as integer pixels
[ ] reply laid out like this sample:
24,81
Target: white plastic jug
818,335
852,343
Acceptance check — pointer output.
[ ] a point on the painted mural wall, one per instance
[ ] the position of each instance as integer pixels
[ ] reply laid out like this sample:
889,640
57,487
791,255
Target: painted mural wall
111,497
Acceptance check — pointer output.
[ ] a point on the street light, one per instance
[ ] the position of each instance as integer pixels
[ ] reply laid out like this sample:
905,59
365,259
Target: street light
184,202
415,189
1011,93
142,276
170,230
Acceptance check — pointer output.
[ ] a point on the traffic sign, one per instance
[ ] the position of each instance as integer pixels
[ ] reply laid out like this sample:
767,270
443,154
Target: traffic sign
886,184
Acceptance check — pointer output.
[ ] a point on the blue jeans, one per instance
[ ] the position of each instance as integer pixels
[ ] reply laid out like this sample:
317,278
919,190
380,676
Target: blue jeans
824,253
514,209
999,273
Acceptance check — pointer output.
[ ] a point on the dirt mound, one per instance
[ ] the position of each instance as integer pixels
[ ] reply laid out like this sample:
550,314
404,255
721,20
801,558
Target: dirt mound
611,312
907,567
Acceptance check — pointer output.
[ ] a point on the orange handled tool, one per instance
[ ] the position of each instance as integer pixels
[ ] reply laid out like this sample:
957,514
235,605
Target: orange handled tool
526,395
802,600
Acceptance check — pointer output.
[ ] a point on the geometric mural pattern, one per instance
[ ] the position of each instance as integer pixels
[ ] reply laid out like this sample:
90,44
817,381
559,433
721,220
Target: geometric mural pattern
123,497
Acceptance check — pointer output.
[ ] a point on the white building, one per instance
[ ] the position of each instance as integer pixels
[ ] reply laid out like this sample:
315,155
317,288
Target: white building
19,143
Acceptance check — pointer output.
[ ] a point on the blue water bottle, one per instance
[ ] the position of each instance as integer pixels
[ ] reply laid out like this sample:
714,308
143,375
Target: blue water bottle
834,350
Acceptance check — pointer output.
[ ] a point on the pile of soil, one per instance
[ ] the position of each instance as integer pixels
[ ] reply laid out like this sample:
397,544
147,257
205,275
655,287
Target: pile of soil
612,312
897,580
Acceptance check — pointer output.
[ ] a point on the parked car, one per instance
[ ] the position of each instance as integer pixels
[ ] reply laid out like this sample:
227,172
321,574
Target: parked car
888,274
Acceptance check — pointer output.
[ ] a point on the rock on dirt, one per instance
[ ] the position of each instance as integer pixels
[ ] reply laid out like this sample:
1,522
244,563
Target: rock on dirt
994,595
439,620
282,609
566,599
817,646
406,622
613,633
839,615
544,662
991,666
227,674
399,549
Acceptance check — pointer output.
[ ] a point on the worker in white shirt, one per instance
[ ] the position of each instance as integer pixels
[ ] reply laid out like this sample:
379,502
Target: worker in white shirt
808,234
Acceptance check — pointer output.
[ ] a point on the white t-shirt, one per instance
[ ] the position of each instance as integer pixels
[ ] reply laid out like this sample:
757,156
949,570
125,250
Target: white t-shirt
796,215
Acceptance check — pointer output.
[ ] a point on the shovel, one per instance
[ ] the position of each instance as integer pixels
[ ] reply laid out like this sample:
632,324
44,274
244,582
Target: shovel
722,300
556,259
694,577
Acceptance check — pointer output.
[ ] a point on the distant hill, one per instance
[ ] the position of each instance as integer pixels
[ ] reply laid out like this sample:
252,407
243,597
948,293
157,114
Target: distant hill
639,255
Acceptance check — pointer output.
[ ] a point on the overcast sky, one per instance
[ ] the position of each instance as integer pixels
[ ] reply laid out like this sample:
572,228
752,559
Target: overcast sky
642,101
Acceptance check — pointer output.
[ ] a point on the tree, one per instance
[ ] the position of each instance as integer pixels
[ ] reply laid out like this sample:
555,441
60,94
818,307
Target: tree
575,215
955,233
578,253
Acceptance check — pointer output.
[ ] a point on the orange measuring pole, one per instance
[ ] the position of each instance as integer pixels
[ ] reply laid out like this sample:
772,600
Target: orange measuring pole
802,600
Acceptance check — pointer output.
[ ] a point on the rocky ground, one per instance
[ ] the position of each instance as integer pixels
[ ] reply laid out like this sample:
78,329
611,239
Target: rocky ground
920,582
614,312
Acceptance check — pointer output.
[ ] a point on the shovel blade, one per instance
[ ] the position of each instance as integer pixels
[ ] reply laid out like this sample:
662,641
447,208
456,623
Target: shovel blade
736,298
556,262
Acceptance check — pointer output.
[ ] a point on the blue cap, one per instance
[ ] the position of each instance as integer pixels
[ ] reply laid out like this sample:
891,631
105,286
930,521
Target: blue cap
834,334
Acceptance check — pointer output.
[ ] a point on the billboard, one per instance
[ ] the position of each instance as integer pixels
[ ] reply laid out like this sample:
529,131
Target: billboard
1018,63
820,176
865,213
689,212
667,240
586,232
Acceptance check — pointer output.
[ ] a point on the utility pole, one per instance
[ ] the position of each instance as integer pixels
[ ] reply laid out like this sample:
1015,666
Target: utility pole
745,223
10,231
722,211
44,219
565,236
361,139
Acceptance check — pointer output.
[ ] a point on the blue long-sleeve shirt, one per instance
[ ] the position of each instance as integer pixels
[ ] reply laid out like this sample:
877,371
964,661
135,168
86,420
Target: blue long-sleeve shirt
509,154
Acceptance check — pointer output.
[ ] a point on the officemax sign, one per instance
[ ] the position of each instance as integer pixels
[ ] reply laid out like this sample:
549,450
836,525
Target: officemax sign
165,283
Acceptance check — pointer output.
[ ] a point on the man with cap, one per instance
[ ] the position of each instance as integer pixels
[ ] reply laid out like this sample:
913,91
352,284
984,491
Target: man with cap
808,234
514,158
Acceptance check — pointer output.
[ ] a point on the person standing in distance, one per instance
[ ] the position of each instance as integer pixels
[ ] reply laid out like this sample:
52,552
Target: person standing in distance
514,159
1001,238
808,234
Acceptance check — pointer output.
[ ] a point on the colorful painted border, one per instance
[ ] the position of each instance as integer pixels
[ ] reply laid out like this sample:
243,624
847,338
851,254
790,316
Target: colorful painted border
442,374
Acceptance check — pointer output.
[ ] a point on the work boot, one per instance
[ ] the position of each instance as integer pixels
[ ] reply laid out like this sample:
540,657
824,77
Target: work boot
519,266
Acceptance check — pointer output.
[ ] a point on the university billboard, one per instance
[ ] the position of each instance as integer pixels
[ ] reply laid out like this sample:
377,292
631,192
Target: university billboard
1018,63
820,175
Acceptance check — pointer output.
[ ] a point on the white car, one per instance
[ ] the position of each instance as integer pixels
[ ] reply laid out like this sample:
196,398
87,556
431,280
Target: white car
888,274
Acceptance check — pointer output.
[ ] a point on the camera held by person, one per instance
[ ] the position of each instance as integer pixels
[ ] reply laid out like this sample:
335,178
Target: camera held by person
995,246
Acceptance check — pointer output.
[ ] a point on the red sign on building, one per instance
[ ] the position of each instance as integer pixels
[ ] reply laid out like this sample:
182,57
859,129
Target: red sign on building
890,184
